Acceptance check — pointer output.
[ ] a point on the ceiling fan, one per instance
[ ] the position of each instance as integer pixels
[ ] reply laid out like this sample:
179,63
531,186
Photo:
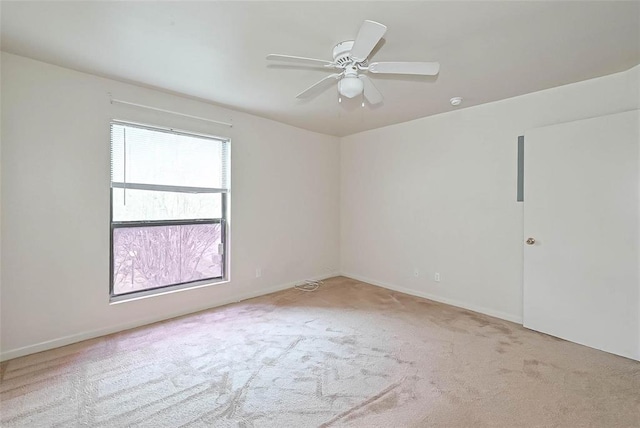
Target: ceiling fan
351,59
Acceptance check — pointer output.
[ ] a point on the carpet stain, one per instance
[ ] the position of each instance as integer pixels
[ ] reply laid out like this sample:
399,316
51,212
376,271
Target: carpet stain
530,368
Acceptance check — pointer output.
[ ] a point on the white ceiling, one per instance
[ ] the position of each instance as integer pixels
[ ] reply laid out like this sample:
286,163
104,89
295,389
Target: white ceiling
216,51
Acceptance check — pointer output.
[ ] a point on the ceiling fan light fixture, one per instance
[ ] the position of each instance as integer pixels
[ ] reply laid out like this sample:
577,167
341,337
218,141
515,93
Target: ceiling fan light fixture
350,86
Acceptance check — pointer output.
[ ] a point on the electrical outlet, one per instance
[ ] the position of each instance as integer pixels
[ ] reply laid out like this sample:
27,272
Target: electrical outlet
258,272
436,277
416,272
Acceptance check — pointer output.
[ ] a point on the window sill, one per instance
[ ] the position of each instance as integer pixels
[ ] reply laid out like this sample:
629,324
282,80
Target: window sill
144,294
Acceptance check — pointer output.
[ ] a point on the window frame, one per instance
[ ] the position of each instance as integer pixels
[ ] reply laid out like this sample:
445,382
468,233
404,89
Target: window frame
223,220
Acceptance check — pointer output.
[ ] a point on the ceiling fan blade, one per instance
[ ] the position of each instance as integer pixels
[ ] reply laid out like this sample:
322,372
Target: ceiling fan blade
422,68
368,37
371,93
298,59
318,87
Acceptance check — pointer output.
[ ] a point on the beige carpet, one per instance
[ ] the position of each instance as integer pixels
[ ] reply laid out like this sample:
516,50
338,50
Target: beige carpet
349,354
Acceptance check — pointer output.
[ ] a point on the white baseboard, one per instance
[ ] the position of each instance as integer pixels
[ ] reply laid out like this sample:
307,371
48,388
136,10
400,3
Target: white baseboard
79,337
497,314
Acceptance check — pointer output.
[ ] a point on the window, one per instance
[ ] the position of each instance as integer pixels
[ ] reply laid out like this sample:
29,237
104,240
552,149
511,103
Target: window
169,198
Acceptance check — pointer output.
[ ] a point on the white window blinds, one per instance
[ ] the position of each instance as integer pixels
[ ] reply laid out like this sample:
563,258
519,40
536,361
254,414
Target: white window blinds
159,174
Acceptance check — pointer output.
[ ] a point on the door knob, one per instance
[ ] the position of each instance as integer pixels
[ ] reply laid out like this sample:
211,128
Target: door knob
531,241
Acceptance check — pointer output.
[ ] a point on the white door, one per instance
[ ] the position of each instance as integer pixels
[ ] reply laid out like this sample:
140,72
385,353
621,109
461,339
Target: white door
581,206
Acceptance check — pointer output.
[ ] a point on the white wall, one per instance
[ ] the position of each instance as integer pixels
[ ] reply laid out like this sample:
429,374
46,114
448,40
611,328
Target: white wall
439,194
436,194
55,205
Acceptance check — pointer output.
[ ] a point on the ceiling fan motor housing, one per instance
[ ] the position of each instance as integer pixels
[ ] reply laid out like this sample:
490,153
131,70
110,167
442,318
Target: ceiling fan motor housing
341,53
